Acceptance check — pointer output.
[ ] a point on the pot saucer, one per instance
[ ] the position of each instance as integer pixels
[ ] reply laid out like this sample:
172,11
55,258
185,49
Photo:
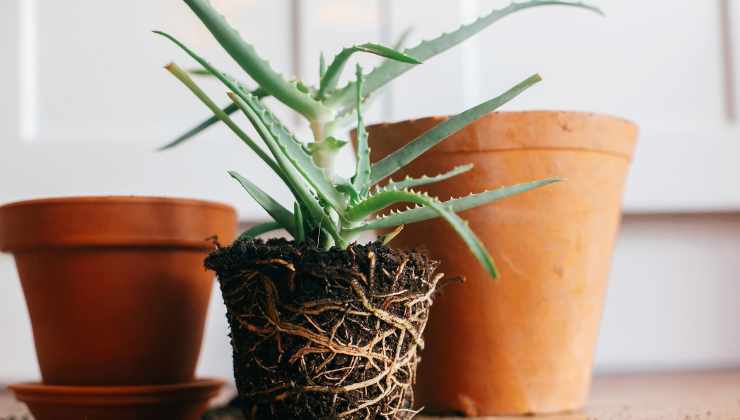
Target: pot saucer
184,401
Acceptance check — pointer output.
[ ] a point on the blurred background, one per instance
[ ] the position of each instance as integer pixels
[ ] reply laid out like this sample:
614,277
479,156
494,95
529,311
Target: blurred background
84,102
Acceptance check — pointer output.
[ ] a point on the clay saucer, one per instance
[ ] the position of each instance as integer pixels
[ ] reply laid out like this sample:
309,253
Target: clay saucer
186,401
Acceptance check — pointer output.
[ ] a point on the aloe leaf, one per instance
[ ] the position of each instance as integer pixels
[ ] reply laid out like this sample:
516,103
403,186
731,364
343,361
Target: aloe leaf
425,180
345,186
228,110
348,116
387,238
296,154
361,180
278,167
227,80
386,52
293,178
300,233
403,156
390,70
260,70
202,72
181,75
457,205
259,229
385,199
330,144
322,65
331,76
281,215
199,72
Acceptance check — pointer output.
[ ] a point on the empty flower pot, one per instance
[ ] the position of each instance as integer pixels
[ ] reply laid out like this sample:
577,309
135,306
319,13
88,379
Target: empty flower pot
115,286
523,344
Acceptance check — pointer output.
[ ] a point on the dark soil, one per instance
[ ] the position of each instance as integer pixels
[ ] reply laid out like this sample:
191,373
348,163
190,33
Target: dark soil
323,334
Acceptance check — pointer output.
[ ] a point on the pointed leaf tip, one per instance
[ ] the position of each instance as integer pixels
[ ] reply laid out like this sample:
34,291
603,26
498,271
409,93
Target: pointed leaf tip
391,69
386,52
444,130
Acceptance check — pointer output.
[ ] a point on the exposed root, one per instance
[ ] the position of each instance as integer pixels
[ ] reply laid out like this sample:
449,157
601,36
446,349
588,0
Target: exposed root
325,334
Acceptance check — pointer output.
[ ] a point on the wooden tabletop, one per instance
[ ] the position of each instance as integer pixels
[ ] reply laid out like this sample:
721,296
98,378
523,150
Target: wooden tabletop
709,395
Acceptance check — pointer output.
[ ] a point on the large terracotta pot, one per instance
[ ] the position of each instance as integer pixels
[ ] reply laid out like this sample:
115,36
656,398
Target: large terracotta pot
115,286
523,344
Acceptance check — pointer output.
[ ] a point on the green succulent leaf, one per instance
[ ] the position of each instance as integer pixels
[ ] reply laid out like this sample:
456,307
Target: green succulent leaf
424,180
283,167
199,72
361,180
322,65
387,238
330,143
390,70
344,119
300,233
385,199
345,187
182,75
227,110
330,77
386,52
406,154
280,214
294,179
293,150
259,229
457,205
260,70
280,168
202,72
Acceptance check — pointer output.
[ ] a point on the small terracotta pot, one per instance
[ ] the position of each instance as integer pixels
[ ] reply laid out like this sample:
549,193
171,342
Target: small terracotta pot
523,344
185,401
115,286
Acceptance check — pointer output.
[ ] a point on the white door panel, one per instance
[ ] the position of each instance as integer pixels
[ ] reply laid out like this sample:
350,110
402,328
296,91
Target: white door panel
647,62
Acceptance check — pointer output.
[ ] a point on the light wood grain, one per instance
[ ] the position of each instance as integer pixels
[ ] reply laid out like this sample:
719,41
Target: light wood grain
711,395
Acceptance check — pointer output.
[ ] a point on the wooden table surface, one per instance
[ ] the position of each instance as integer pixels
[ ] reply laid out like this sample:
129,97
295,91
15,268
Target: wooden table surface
709,395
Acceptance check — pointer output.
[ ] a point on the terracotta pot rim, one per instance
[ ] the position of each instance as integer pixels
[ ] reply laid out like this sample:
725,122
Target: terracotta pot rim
533,112
108,395
531,128
112,222
121,199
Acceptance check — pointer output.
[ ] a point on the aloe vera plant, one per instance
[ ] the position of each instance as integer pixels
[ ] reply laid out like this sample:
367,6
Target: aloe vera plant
333,209
324,327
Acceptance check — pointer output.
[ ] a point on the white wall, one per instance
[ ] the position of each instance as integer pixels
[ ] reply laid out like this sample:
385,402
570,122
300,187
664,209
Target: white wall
673,294
672,302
